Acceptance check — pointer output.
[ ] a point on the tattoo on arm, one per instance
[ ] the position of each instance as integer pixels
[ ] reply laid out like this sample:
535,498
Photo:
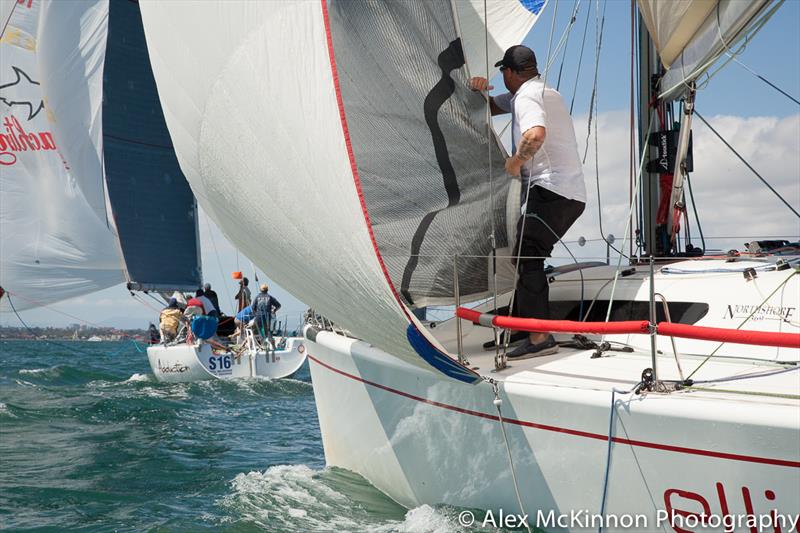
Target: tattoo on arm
528,146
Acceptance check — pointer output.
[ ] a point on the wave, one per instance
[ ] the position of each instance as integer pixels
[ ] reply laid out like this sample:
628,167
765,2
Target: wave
66,375
297,498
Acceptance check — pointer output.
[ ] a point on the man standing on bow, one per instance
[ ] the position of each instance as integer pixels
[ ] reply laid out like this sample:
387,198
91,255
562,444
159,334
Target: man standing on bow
545,156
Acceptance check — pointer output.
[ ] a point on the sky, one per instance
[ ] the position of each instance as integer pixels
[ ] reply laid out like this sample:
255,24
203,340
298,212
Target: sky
734,207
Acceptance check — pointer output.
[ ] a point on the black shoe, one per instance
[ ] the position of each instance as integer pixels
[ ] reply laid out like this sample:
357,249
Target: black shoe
515,338
529,349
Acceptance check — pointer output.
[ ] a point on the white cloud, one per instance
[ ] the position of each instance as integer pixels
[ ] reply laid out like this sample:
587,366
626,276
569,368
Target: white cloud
731,201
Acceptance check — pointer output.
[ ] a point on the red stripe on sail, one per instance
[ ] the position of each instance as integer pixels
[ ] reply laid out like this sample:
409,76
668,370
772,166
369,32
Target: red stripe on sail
352,157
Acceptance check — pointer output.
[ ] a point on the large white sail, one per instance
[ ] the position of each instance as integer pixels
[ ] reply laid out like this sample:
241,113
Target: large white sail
355,107
690,35
56,242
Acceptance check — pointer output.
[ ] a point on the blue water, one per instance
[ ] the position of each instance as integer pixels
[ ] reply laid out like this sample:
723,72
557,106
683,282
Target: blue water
89,440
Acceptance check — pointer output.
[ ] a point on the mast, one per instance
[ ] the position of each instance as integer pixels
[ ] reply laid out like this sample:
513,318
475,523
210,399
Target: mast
649,65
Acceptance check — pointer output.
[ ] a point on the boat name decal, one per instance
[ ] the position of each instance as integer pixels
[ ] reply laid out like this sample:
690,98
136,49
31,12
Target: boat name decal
177,368
759,312
678,502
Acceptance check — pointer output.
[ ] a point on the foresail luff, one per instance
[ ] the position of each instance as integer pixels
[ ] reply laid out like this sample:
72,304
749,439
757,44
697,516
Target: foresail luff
302,129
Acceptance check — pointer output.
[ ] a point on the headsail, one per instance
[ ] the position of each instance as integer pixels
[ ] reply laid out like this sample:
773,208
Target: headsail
154,210
336,144
690,35
56,241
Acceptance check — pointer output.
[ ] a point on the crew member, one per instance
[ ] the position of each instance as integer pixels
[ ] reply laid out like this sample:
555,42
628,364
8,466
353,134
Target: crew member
263,307
170,320
545,156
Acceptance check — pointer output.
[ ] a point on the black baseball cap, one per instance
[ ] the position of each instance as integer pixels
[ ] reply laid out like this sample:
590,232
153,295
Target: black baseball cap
518,58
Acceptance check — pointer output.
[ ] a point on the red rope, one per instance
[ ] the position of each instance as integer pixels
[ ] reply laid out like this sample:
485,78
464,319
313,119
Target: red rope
686,331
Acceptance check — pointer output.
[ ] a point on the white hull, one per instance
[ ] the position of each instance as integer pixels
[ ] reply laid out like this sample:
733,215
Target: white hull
425,439
197,362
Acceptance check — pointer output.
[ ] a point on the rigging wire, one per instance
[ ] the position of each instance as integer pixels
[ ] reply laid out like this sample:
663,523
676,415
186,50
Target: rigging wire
609,445
549,46
498,402
580,62
596,142
742,159
743,322
599,24
696,216
748,69
651,120
566,42
492,237
10,14
561,44
632,139
51,308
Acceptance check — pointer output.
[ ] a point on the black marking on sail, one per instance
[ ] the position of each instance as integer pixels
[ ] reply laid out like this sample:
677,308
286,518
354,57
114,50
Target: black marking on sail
451,58
21,74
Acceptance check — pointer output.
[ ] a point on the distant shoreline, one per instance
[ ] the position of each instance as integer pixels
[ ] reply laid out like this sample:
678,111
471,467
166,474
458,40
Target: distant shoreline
72,333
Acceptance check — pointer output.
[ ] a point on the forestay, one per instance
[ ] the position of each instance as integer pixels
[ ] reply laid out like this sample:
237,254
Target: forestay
56,240
690,35
337,145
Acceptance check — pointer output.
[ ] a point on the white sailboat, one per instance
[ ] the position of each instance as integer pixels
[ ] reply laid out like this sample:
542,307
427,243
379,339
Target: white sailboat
363,109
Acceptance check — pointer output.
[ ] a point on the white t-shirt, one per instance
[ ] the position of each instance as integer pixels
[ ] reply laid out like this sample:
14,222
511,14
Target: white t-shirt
556,166
208,305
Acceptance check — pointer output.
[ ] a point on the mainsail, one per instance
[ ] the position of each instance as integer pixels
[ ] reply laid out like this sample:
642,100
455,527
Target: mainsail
56,240
337,145
690,35
154,210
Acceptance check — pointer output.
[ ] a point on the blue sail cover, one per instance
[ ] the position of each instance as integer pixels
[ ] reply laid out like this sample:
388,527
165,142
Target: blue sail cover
154,209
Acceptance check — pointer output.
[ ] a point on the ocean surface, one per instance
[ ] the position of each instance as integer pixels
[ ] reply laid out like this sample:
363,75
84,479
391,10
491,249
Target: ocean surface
89,440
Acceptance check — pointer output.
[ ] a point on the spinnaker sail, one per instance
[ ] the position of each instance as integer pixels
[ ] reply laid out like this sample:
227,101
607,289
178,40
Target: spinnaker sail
57,242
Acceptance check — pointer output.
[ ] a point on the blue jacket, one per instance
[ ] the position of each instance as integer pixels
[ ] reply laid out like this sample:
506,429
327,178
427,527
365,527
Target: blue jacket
264,306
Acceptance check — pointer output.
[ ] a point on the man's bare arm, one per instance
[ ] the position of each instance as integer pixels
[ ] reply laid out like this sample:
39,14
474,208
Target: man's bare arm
532,140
